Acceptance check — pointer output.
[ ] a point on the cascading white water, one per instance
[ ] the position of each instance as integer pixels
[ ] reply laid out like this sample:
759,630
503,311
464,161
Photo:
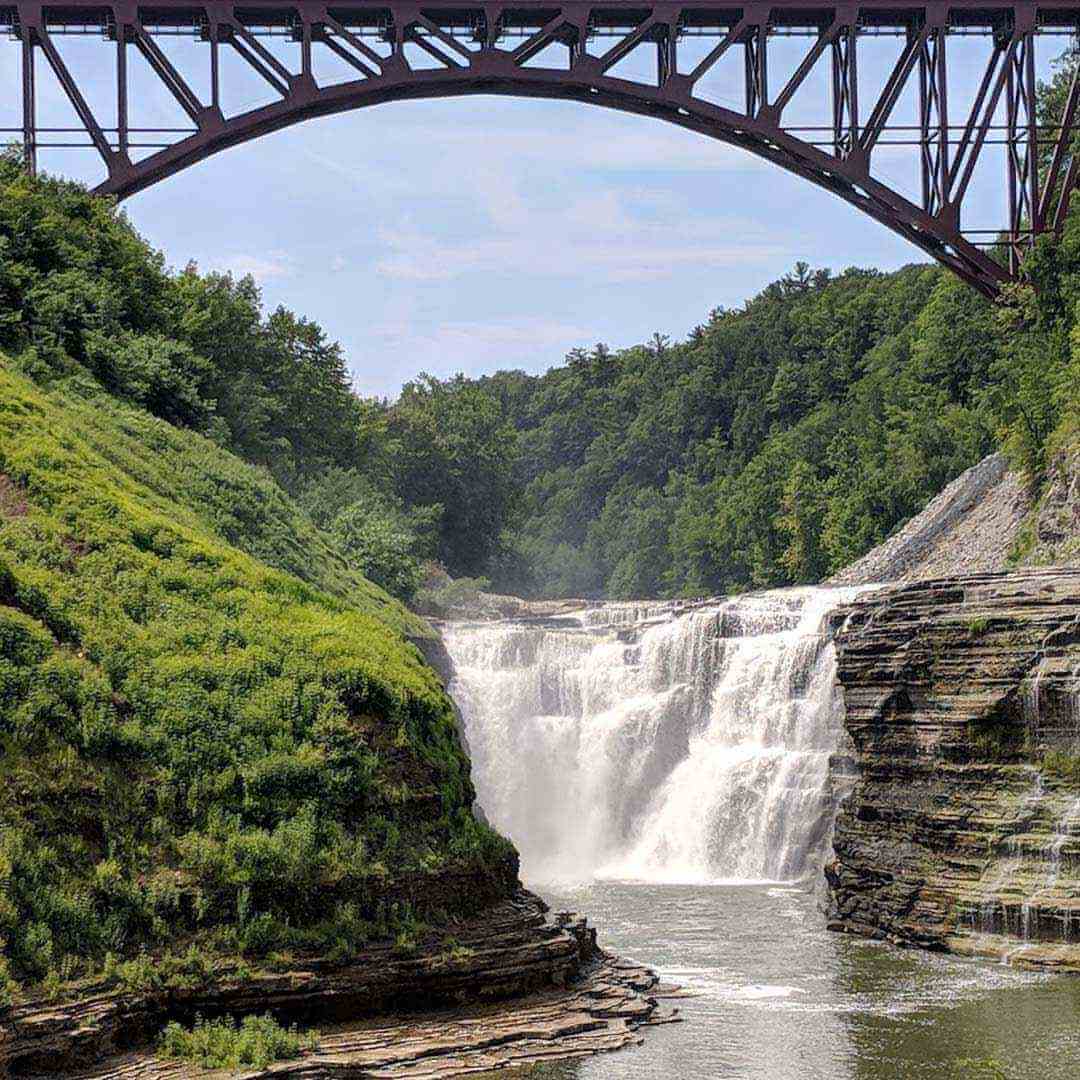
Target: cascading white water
637,742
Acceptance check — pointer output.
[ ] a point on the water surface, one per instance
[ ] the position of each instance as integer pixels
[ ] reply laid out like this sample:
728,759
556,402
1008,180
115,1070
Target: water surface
781,998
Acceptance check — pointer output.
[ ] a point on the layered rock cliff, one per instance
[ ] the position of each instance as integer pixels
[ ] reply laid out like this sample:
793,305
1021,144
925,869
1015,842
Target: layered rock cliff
510,988
963,827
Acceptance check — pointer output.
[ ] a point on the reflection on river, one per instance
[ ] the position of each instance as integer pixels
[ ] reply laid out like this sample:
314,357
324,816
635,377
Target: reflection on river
781,998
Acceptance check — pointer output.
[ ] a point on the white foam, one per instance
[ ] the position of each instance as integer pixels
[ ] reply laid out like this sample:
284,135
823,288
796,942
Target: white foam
657,747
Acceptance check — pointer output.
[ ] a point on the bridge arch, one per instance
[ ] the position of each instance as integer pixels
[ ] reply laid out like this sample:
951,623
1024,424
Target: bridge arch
472,49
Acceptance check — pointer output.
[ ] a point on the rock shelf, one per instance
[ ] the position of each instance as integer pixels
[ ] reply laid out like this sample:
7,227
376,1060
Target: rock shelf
515,989
600,1013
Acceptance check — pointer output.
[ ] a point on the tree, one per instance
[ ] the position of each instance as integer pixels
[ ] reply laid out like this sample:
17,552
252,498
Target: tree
455,449
799,521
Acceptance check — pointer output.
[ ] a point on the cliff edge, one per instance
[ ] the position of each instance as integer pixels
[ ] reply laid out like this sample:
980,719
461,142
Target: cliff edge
988,520
972,526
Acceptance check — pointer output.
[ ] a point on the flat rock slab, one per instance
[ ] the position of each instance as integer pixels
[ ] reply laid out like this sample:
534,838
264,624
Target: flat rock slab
601,1011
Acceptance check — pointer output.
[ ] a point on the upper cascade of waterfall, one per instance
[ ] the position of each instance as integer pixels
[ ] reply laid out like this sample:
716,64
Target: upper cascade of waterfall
662,741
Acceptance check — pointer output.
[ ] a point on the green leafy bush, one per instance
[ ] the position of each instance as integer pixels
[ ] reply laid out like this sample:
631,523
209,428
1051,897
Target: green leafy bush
443,595
1062,764
254,1043
381,549
978,1069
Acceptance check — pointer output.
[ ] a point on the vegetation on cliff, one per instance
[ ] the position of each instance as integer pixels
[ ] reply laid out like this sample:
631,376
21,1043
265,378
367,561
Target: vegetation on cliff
775,444
214,729
254,1043
80,292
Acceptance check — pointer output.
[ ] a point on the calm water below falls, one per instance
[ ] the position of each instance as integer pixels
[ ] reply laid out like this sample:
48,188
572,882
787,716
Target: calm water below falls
781,998
667,773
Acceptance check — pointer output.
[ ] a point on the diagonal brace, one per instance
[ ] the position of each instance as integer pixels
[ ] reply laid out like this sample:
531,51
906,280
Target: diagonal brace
975,132
540,40
258,57
166,72
78,102
733,36
824,40
893,88
623,48
1062,148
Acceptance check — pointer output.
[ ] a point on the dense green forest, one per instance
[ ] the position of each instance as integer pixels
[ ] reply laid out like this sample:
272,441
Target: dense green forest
783,439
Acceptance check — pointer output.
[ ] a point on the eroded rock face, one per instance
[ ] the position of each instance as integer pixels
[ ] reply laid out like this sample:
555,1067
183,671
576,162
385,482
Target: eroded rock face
963,828
1057,518
970,527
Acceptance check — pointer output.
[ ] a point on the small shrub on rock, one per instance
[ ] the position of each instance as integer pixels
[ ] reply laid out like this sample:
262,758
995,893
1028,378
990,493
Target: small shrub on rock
254,1043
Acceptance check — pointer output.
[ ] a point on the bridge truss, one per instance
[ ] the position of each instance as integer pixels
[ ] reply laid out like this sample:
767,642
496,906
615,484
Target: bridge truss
405,49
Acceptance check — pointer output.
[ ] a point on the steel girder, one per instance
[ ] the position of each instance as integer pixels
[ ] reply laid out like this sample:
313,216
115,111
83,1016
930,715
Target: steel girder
487,48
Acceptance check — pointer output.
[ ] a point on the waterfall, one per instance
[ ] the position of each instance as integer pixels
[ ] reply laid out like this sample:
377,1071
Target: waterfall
650,742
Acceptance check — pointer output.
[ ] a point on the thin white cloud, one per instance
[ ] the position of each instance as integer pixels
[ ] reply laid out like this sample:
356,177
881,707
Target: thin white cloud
600,145
413,256
602,233
446,348
261,267
548,144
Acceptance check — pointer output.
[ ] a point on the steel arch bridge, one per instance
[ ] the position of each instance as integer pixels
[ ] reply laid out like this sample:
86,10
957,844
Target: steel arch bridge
408,49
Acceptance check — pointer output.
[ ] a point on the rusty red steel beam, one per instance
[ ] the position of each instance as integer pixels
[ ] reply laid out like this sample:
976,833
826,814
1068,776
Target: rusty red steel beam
481,62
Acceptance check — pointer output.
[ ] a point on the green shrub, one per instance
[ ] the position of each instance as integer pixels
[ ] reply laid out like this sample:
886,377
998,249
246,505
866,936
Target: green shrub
444,596
410,932
382,549
9,988
978,1069
254,1043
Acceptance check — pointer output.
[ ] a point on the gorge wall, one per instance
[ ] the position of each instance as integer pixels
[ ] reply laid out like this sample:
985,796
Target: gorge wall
963,828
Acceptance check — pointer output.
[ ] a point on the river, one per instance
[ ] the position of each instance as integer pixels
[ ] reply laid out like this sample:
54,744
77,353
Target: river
781,998
673,775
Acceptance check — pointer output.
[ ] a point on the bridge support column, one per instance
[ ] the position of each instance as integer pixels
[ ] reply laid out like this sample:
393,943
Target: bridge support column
29,99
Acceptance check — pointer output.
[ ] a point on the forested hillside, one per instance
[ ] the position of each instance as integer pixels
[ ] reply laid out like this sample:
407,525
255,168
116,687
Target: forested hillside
217,740
775,444
429,478
779,441
786,438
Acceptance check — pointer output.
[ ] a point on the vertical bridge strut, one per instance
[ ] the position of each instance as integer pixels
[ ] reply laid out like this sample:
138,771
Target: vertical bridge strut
538,48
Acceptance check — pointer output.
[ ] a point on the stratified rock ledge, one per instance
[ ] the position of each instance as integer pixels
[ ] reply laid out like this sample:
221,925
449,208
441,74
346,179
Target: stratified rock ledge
514,989
962,830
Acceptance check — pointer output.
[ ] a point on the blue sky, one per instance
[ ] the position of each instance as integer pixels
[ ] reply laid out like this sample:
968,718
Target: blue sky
484,233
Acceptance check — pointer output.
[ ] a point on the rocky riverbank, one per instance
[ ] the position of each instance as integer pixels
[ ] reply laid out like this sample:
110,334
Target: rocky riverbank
512,987
963,828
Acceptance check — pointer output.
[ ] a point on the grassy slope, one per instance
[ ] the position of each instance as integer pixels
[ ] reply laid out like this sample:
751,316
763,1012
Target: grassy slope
211,728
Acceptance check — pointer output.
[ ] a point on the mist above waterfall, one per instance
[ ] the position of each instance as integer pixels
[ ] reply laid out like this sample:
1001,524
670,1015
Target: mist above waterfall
637,741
